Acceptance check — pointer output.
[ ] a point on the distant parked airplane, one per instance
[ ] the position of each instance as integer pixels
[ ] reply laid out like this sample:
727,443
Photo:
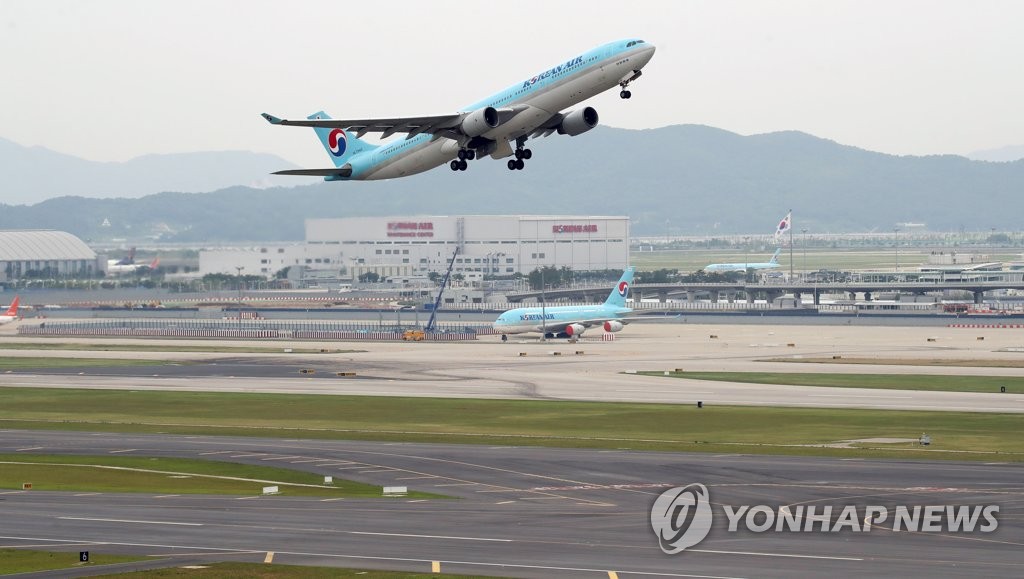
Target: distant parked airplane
570,321
720,267
11,314
124,260
528,109
129,265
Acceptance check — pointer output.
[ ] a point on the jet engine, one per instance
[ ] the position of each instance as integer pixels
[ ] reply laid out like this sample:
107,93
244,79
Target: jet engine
612,326
573,330
578,122
480,121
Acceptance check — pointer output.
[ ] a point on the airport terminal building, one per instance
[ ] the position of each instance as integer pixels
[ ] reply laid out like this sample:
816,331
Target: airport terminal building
413,246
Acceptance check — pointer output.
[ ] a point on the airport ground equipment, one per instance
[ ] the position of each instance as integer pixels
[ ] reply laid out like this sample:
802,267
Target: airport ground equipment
437,301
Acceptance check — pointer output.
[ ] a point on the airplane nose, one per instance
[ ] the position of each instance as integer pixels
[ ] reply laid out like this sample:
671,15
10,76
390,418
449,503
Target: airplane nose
647,54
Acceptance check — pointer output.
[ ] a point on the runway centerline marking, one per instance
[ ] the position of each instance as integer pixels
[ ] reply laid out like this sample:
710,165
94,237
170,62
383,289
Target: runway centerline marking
412,536
783,555
131,521
860,396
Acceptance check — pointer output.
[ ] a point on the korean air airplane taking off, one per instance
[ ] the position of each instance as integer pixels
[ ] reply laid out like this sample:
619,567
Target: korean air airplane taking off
570,321
771,264
528,109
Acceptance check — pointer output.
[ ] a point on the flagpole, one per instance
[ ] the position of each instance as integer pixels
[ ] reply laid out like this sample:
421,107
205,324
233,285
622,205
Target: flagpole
791,245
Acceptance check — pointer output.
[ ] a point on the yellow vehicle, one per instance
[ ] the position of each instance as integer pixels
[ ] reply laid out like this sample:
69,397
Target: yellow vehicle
413,335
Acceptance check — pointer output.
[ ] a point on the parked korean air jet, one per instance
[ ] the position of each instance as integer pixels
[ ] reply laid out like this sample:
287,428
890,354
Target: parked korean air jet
11,314
570,321
771,264
499,125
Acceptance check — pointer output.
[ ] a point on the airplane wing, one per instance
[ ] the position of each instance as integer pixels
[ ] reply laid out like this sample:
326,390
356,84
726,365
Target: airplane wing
559,326
442,125
411,125
345,171
548,127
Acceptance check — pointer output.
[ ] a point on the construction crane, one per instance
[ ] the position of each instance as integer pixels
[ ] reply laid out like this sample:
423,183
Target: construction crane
437,302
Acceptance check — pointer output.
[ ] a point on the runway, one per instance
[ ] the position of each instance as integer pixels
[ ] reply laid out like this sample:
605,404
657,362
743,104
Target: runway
538,512
589,370
529,512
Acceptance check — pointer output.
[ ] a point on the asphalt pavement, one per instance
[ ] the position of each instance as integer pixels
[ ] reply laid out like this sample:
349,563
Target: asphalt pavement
516,511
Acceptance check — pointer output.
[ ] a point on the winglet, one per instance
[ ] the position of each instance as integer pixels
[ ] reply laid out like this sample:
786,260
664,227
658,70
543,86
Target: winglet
272,119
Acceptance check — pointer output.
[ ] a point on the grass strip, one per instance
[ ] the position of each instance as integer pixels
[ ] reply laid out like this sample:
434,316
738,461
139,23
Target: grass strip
927,382
27,561
766,430
941,363
31,363
128,474
275,571
213,348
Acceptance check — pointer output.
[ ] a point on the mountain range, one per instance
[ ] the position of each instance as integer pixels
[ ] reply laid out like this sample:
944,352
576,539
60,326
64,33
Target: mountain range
36,173
678,180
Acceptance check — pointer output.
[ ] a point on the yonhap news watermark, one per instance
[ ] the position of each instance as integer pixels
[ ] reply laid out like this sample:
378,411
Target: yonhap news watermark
681,517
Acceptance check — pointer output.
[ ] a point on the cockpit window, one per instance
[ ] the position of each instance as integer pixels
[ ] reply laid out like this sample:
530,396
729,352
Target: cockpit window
634,43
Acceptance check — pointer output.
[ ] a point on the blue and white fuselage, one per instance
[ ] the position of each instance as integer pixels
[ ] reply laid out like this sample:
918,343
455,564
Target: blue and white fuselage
723,267
571,321
492,126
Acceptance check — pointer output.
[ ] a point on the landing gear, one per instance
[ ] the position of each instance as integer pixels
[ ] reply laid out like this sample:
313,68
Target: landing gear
504,337
522,154
624,83
464,155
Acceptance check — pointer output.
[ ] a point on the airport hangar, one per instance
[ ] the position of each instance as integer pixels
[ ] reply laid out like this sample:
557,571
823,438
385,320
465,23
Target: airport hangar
45,253
413,247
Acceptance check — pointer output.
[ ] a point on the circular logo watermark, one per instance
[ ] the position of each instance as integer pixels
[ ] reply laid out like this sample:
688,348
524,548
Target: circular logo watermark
681,517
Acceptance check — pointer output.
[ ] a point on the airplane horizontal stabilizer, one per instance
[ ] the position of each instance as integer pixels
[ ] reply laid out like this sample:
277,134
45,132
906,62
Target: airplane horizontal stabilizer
335,172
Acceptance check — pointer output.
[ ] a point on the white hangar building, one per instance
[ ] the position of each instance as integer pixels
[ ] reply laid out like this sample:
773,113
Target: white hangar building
404,247
44,254
491,245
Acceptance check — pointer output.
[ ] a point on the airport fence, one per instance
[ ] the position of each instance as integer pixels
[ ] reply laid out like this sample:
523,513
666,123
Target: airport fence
987,326
251,328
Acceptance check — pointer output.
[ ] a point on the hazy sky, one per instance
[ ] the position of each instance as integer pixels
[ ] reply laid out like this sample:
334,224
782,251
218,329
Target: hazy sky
111,80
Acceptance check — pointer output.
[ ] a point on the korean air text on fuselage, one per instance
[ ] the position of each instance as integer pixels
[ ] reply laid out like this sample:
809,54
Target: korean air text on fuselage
570,64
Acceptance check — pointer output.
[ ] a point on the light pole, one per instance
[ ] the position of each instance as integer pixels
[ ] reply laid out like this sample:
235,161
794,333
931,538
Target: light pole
543,310
896,231
804,232
746,259
239,269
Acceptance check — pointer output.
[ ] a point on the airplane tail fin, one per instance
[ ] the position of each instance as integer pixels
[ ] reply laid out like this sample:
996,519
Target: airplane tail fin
13,310
153,264
339,143
621,290
775,258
